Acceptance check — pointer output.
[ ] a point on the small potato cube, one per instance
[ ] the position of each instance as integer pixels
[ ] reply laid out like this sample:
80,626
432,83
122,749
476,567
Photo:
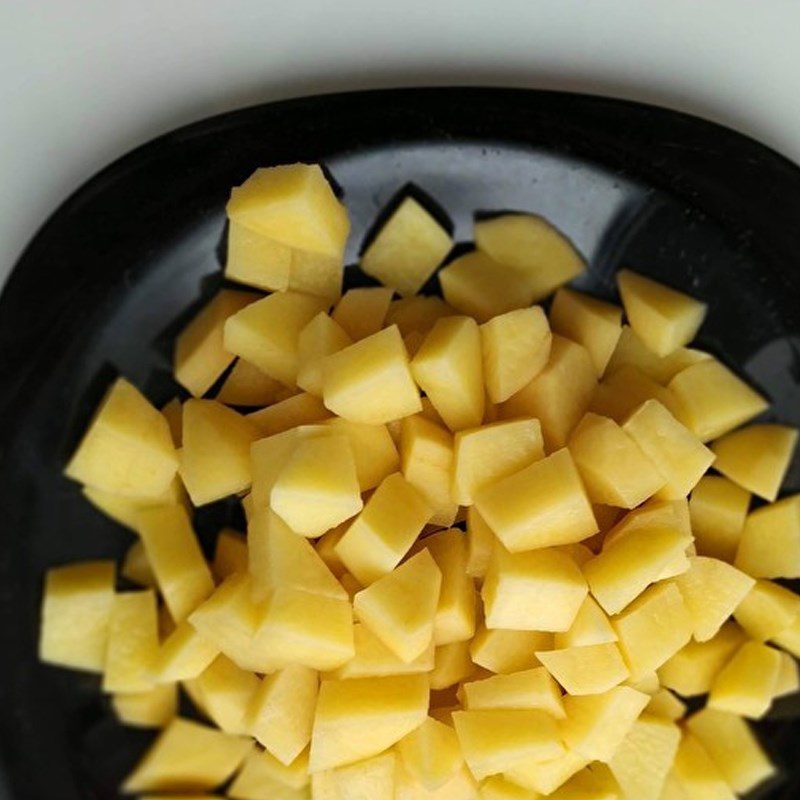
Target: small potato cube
770,543
431,754
505,651
257,260
756,457
452,665
230,554
543,504
789,639
532,688
373,777
665,705
322,337
407,249
480,544
516,348
590,626
225,692
718,510
154,708
586,669
124,509
361,312
697,774
183,655
590,322
535,249
746,684
374,451
623,391
299,409
316,274
247,385
712,401
417,314
654,513
262,775
767,610
663,318
679,455
127,449
789,676
135,566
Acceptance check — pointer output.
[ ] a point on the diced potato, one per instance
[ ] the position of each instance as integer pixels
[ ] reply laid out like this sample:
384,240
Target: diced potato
516,348
614,469
666,705
673,789
247,385
173,551
417,314
299,409
595,782
373,777
493,741
480,544
533,247
316,274
183,655
263,776
586,669
361,312
654,513
317,340
127,449
136,568
357,719
588,321
132,643
718,510
486,454
188,757
215,459
452,664
746,684
370,381
226,691
789,639
647,683
154,708
533,688
281,712
546,776
712,401
590,626
559,395
477,285
76,610
770,543
505,651
257,260
326,549
768,610
173,413
496,787
541,505
431,754
697,774
789,676
400,608
623,391
680,456
653,628
230,554
663,318
711,591
124,510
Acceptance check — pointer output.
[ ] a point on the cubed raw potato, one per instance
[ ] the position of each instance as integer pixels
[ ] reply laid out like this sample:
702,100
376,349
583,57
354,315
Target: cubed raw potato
653,628
543,504
359,718
505,651
173,413
789,639
76,610
613,467
644,757
462,786
746,684
486,454
407,249
316,274
530,245
257,260
370,381
678,453
789,676
697,774
647,683
767,610
132,643
230,554
673,789
733,747
136,568
127,448
154,708
188,757
712,401
559,395
400,608
538,590
718,509
590,626
516,348
546,777
431,754
215,459
654,513
262,775
183,655
226,692
665,704
326,549
299,409
477,285
596,724
588,321
182,574
493,741
361,312
619,394
281,712
480,544
417,314
322,337
200,356
756,457
711,591
586,669
318,488
594,782
452,664
532,688
663,318
384,531
374,450
373,777
770,543
496,787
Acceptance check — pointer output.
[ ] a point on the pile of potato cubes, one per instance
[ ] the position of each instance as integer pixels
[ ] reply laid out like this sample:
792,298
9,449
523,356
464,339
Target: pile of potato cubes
485,556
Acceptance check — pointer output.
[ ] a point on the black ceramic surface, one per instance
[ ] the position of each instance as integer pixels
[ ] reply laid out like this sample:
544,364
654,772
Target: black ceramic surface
99,289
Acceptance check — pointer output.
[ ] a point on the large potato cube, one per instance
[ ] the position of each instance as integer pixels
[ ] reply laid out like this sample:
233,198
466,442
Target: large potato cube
586,669
624,390
316,274
317,340
123,509
361,312
697,774
480,544
154,708
257,260
718,510
132,643
225,692
767,610
431,754
183,655
590,626
532,688
299,409
374,450
505,651
770,542
135,566
451,665
746,684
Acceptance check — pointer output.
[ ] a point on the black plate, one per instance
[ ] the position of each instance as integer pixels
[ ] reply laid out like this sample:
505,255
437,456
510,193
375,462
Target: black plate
101,285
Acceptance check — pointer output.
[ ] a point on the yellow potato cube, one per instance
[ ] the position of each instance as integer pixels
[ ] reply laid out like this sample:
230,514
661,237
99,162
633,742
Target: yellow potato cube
480,544
535,249
326,549
590,626
665,705
654,513
679,455
673,789
623,391
595,782
263,776
789,639
400,608
127,449
374,451
504,651
183,655
767,610
281,712
653,628
417,314
299,409
496,787
187,757
136,568
361,312
452,664
154,708
230,554
533,688
586,669
372,777
770,542
181,572
257,260
697,774
493,741
588,321
247,385
663,318
789,677
132,643
559,395
516,348
316,274
546,777
225,692
718,509
431,754
359,718
746,684
317,340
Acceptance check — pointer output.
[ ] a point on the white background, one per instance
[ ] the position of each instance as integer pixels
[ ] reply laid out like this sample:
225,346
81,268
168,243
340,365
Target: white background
83,81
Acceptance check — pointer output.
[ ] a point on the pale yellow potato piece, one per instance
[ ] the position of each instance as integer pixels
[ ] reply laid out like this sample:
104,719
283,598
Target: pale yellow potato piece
789,639
225,692
230,554
153,708
124,510
316,274
666,705
127,448
496,787
756,457
183,654
507,651
374,450
789,677
718,509
263,776
746,684
326,549
586,669
373,777
546,776
534,688
257,260
654,513
516,348
697,774
770,542
462,786
299,409
619,394
136,568
768,610
590,626
663,318
480,544
362,311
132,643
452,664
417,314
173,413
431,754
321,337
534,248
